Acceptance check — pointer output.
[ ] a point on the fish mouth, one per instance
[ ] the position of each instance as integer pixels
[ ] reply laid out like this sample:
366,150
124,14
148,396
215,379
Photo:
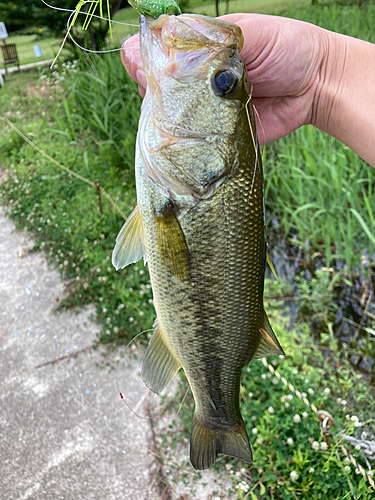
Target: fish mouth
184,43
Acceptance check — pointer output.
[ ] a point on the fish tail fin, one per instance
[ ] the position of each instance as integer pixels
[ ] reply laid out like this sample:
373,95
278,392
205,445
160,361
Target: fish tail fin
206,444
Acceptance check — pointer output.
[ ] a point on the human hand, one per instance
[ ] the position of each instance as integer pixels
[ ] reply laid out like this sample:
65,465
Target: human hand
301,74
284,59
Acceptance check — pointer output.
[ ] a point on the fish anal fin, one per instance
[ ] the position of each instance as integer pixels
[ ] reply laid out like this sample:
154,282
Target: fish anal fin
206,443
129,246
159,365
268,345
172,247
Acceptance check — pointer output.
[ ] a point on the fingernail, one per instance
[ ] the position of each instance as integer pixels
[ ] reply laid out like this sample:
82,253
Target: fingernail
141,77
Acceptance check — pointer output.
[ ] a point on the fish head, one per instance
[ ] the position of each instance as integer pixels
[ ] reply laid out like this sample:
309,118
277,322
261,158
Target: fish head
196,80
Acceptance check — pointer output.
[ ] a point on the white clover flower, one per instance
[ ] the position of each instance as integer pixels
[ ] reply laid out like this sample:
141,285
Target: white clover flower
131,319
228,466
303,394
281,356
310,391
347,468
305,414
290,441
295,372
254,430
323,446
264,376
339,400
217,498
357,471
275,381
296,418
347,460
293,475
311,470
357,424
327,391
287,405
243,470
259,440
282,399
251,394
315,446
271,410
354,418
290,397
344,402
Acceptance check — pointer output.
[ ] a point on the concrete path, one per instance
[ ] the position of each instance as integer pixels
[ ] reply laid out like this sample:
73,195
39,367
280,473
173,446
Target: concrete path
64,431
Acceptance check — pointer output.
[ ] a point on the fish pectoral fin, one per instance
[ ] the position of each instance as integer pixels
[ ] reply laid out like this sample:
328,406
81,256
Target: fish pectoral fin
159,365
207,443
268,345
172,247
129,246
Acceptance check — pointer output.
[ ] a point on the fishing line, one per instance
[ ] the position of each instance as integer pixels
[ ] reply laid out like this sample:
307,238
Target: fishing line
127,404
69,26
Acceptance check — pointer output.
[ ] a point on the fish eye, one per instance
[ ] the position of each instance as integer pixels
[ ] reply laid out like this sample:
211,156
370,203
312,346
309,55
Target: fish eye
225,82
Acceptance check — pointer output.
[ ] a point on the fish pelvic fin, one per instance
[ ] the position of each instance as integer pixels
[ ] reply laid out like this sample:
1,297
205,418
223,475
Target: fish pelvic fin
268,345
129,246
207,443
159,365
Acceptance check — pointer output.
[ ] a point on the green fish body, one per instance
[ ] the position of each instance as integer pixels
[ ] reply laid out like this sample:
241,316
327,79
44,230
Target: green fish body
199,223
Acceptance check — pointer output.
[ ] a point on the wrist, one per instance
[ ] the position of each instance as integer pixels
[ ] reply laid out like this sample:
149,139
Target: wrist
345,99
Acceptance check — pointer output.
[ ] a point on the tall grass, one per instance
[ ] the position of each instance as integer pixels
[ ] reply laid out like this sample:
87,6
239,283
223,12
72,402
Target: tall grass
323,194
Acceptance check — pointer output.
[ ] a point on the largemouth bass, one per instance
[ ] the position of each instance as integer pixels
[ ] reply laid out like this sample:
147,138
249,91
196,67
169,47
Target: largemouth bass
199,223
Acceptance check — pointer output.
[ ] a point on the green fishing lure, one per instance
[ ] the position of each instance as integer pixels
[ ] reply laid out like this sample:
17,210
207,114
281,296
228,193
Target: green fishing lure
155,8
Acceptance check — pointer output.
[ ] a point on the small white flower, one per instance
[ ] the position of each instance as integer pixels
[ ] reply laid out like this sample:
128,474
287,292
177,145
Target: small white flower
275,381
327,391
295,372
243,470
293,475
323,446
310,391
296,418
305,414
304,394
339,400
347,460
315,446
251,394
264,376
357,424
287,405
282,399
347,468
254,430
290,397
311,470
290,441
271,410
259,440
358,447
228,466
131,319
354,418
357,471
344,402
281,356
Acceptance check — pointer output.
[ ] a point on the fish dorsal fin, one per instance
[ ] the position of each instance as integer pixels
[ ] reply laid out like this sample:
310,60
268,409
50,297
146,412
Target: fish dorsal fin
159,365
268,345
270,263
129,246
172,247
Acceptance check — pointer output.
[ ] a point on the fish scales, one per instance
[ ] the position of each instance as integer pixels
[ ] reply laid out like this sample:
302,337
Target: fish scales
201,212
